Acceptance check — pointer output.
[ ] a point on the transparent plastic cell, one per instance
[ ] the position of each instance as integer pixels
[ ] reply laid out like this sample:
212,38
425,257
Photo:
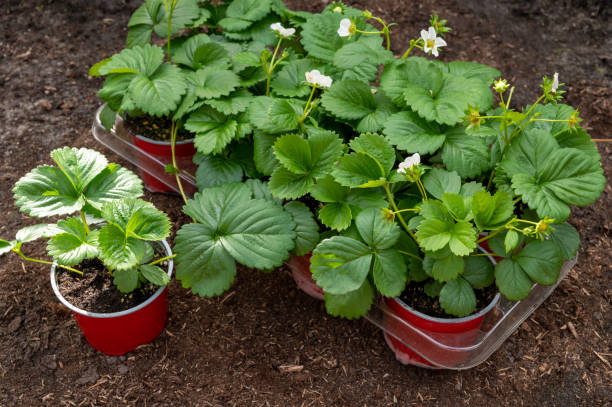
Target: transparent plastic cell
121,142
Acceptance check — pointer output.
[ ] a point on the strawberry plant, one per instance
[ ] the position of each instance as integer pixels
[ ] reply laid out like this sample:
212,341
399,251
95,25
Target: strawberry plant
112,225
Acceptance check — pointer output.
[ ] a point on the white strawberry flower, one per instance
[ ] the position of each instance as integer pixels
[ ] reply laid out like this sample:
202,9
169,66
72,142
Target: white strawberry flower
315,77
413,161
347,28
555,83
282,31
431,42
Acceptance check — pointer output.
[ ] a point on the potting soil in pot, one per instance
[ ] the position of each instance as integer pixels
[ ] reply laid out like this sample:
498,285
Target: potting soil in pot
154,128
94,291
414,296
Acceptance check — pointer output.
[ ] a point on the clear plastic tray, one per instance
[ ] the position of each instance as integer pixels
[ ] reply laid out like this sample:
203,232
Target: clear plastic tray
441,350
121,142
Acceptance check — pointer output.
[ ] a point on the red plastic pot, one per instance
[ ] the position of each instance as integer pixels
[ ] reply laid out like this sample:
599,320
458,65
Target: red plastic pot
117,333
160,181
447,340
300,270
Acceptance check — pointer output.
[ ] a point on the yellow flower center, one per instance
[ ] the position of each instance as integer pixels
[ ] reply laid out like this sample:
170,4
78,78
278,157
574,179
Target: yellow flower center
352,28
431,43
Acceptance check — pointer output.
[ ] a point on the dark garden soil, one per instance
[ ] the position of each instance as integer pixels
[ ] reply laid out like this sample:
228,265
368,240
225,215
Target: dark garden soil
265,342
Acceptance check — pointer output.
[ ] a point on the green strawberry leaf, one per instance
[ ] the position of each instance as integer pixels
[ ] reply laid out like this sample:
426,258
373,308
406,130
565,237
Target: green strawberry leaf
126,280
291,79
568,177
210,83
236,102
455,204
378,232
307,229
351,305
293,152
74,245
407,131
114,182
478,271
528,152
303,161
216,170
118,251
447,268
349,99
389,272
231,228
153,15
273,115
137,218
155,275
457,298
340,264
143,60
359,170
578,139
511,241
328,190
35,232
491,212
159,93
49,191
285,184
336,215
250,10
377,147
439,181
6,246
542,261
263,152
566,238
184,53
472,70
511,280
80,165
435,234
214,130
468,156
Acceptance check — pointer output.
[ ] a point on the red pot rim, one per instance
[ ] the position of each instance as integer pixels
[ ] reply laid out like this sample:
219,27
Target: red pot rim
112,314
163,143
471,317
482,312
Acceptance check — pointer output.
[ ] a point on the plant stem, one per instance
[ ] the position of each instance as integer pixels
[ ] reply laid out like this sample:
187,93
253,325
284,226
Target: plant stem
490,235
84,220
306,111
421,189
410,254
602,140
23,256
162,259
271,67
173,131
413,43
369,32
399,215
407,210
170,13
